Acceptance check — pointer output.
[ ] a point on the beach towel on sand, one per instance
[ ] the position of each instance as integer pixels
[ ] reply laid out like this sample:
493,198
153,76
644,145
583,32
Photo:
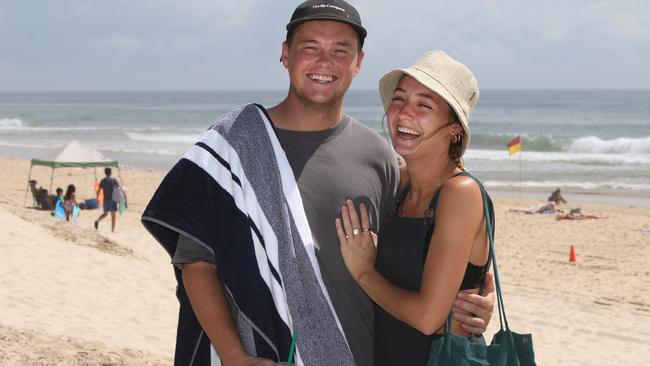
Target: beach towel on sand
235,192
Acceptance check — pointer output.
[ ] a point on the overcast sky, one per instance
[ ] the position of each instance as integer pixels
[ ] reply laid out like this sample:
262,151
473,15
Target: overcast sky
235,44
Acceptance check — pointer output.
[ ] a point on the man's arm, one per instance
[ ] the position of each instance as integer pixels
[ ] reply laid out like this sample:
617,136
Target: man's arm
474,311
208,299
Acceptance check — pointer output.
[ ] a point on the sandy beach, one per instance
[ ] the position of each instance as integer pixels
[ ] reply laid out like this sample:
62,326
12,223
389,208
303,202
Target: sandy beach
72,295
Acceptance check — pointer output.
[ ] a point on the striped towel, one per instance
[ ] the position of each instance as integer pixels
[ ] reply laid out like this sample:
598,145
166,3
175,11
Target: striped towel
235,192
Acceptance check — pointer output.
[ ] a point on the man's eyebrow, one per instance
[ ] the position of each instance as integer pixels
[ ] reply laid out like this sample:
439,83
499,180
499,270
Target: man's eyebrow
344,43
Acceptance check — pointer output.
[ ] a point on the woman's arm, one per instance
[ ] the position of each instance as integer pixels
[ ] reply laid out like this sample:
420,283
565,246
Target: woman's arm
459,217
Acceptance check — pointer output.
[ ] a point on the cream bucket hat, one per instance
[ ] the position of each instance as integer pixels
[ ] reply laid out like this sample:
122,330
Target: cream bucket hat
443,75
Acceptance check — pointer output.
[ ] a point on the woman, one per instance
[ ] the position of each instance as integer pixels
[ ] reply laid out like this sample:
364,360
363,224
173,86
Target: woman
434,241
70,202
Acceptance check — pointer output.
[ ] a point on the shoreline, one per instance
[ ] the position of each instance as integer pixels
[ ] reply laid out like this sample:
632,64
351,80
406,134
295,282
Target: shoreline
616,198
150,163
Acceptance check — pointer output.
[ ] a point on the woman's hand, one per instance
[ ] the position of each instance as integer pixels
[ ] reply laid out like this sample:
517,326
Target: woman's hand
358,246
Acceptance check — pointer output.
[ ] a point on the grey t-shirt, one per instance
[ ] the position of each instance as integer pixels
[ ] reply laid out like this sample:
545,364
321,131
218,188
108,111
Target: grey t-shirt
347,161
190,251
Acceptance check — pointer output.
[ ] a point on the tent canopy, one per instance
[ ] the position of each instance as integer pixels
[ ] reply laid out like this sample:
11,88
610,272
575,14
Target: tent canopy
76,155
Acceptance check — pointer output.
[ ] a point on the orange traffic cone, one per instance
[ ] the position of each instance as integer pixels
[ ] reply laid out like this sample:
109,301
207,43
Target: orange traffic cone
572,255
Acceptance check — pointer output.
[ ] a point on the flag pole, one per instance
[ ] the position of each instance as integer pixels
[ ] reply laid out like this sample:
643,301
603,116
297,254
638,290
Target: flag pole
514,147
520,153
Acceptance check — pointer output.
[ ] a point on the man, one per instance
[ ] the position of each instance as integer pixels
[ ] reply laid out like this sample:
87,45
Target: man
333,157
110,206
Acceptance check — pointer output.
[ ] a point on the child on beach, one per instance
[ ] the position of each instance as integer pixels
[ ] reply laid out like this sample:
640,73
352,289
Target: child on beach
70,203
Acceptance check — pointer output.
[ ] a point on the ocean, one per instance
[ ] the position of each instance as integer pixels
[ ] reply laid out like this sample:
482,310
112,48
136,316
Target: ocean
593,141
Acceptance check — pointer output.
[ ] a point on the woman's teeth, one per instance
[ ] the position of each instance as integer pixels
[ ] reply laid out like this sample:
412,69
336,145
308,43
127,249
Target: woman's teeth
408,131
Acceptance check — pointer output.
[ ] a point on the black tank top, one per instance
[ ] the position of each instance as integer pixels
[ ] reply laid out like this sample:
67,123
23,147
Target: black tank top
402,250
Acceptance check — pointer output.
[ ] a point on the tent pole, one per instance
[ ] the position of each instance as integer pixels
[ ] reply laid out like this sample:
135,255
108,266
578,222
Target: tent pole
27,189
51,179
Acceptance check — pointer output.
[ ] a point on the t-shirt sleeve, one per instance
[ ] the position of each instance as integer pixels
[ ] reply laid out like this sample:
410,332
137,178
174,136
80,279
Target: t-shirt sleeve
190,251
390,184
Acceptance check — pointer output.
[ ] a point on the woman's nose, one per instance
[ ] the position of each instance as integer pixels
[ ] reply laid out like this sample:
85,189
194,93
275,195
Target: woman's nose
405,111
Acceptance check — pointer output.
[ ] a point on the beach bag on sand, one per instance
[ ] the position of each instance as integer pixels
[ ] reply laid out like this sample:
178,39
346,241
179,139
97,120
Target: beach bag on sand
507,348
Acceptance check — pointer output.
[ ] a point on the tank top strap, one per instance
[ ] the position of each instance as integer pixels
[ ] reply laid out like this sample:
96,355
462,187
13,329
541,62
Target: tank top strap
399,198
436,196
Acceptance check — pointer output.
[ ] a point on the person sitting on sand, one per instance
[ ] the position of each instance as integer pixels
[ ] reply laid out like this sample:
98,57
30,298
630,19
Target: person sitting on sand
41,198
556,197
549,207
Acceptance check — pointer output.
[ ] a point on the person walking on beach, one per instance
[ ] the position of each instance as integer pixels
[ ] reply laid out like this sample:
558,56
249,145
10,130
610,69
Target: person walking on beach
206,215
434,241
110,206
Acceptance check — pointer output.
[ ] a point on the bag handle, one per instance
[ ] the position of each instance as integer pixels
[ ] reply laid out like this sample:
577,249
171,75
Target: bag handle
503,321
488,223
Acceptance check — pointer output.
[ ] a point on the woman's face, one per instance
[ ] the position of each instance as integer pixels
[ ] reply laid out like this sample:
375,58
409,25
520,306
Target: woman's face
417,118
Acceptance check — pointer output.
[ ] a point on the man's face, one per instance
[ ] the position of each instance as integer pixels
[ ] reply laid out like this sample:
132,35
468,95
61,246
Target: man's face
322,60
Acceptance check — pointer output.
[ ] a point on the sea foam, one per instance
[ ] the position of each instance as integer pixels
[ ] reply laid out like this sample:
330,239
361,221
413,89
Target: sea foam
164,137
10,123
621,145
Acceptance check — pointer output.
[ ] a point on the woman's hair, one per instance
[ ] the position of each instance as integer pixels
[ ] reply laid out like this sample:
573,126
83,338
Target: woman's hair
456,148
68,193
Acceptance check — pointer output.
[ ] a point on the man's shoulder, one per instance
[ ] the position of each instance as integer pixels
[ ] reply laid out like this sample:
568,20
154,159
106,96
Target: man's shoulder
238,111
367,136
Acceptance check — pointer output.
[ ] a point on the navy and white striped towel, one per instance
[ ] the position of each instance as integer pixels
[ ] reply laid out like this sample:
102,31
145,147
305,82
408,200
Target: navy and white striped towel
235,192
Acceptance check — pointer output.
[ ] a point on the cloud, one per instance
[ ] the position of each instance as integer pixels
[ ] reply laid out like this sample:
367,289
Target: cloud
235,44
120,41
215,16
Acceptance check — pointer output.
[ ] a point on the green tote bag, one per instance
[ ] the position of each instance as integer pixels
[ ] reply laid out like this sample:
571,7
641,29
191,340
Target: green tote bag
507,348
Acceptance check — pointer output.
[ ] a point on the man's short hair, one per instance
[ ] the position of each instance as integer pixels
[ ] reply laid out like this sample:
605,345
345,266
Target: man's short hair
107,171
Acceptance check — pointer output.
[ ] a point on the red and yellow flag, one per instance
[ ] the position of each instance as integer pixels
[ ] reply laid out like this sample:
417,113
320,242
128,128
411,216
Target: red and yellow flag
514,146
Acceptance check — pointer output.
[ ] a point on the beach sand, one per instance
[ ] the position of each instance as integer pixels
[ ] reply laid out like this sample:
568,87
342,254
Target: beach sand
71,295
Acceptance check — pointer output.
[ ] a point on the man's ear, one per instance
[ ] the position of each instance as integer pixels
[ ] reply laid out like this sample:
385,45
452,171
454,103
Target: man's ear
284,58
357,67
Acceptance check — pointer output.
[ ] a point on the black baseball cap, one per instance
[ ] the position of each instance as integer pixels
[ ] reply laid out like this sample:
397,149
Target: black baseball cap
336,10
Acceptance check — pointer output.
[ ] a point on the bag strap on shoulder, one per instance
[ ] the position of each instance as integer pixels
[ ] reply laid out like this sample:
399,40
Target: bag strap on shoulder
503,322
